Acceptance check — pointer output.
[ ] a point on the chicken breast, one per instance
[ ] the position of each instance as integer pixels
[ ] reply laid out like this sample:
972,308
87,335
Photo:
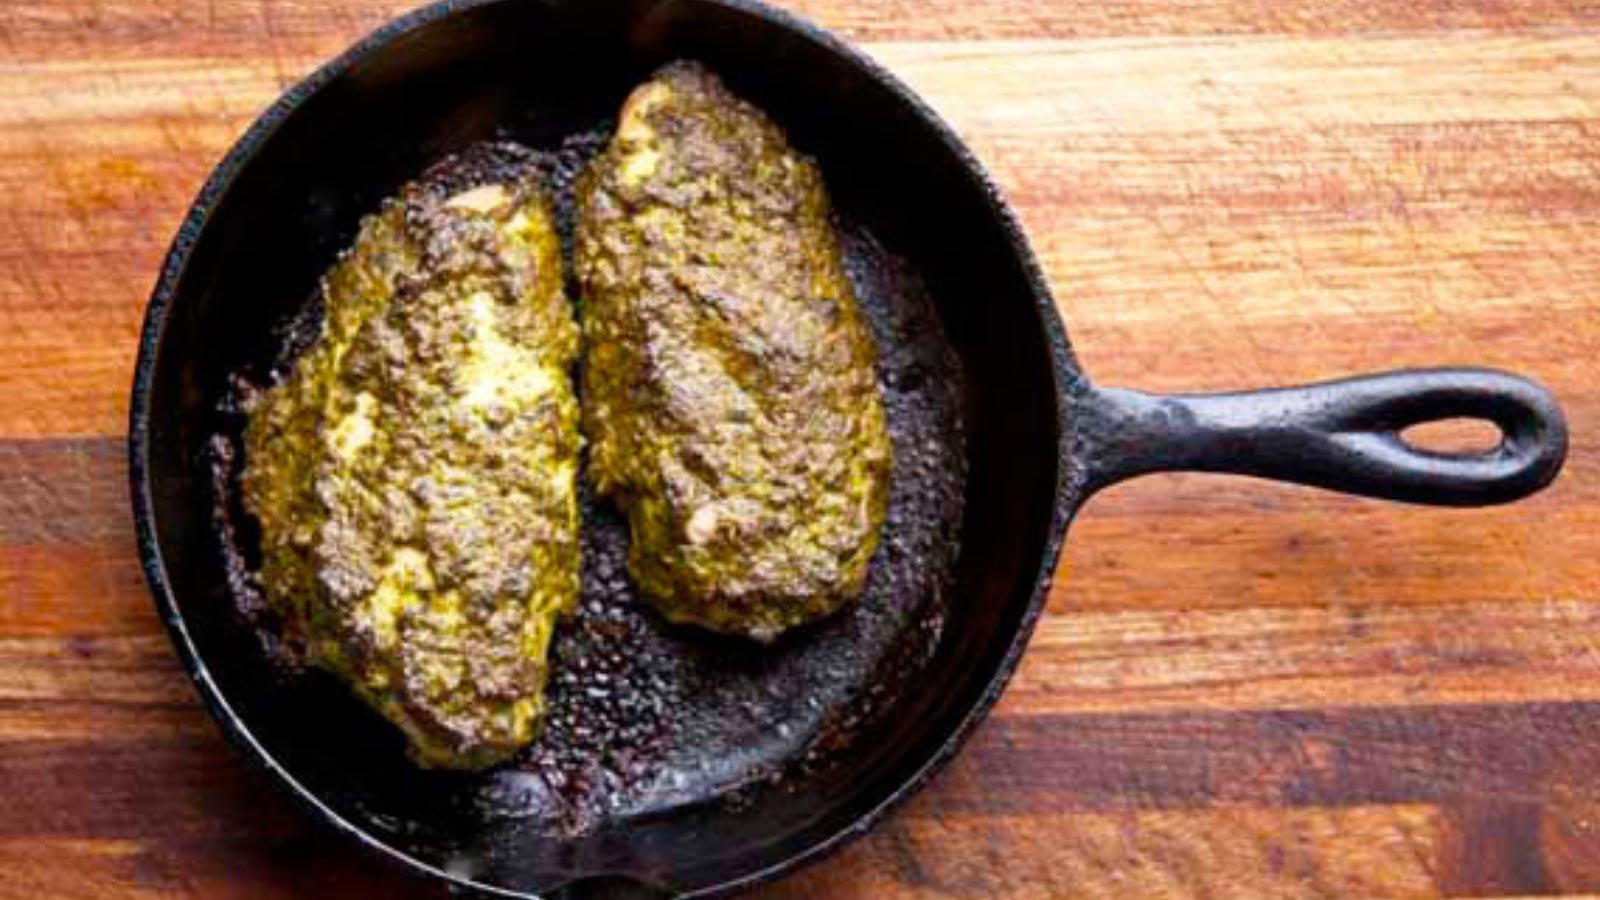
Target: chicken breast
730,393
413,476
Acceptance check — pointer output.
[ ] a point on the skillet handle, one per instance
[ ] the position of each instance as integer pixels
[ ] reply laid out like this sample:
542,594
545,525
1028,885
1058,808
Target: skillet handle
1339,435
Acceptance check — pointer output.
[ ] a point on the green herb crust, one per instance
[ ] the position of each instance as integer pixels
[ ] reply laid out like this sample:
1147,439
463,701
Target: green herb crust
413,476
730,395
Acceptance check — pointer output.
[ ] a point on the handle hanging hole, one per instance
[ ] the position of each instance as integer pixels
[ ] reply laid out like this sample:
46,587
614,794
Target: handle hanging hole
1460,436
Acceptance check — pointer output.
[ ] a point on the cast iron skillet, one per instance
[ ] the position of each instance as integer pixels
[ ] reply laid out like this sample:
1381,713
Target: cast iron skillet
1040,437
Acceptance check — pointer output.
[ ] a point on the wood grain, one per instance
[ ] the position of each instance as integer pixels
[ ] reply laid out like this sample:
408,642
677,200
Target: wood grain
134,28
1237,852
1240,689
218,869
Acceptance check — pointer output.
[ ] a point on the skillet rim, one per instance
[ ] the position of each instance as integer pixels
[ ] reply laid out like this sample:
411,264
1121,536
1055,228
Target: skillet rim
1067,382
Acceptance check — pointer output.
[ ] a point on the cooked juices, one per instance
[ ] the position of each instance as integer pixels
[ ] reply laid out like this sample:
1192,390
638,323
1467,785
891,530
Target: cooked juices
414,475
730,396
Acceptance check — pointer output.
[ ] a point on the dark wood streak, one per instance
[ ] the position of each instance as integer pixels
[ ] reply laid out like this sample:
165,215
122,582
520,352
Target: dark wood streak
1492,847
63,491
1326,757
1459,757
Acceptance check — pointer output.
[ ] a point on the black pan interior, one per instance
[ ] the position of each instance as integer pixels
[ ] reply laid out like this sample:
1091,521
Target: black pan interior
672,759
645,718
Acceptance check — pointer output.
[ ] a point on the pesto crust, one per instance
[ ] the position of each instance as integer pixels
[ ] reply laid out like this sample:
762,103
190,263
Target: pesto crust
413,476
730,394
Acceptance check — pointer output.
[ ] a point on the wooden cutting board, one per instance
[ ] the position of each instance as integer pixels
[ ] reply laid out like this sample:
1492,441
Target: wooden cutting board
1240,690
